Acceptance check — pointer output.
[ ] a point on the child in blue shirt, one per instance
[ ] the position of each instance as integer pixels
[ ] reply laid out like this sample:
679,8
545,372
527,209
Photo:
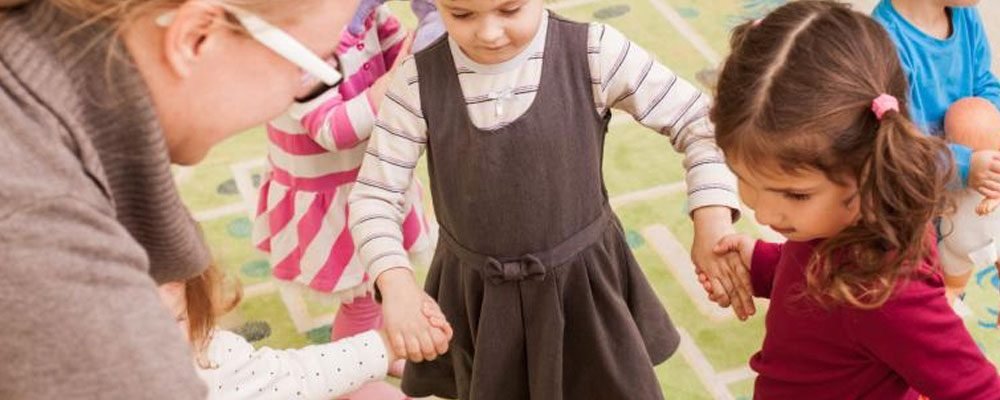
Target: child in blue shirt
946,56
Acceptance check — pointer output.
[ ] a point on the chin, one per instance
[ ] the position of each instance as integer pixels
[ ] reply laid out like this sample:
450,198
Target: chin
187,158
498,56
798,237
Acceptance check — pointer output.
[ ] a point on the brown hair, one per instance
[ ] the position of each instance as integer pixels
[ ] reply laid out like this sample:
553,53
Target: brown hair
208,296
118,13
796,93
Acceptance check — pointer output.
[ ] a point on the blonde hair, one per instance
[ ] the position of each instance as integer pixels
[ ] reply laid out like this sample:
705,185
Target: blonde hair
209,296
120,13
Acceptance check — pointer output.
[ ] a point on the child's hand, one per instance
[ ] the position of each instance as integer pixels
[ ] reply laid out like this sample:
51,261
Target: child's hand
984,173
740,244
365,8
987,206
721,299
436,318
712,224
738,251
410,332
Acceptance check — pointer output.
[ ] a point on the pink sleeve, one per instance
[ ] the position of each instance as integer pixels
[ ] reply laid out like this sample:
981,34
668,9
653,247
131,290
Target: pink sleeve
762,265
337,125
391,36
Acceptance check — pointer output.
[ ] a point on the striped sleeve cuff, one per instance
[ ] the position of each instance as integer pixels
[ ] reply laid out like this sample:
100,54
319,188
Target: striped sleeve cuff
386,261
712,184
382,249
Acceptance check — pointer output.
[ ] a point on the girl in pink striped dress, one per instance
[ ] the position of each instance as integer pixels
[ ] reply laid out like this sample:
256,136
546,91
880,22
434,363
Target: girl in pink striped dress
315,152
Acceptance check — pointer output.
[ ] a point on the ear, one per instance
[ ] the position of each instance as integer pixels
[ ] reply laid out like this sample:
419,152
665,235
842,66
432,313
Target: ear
187,30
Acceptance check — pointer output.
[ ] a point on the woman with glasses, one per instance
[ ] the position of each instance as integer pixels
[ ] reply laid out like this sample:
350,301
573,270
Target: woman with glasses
97,99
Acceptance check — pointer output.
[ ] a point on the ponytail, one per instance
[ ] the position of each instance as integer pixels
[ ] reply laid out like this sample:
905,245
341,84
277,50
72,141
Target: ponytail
901,187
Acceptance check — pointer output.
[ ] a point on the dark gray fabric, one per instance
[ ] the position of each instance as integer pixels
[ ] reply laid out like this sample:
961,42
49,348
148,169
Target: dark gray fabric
89,215
532,268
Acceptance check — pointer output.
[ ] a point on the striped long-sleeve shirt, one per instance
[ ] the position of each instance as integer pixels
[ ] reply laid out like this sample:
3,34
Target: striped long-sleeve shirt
624,76
315,151
344,116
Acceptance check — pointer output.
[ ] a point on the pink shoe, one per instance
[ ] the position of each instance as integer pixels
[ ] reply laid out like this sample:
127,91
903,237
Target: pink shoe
379,390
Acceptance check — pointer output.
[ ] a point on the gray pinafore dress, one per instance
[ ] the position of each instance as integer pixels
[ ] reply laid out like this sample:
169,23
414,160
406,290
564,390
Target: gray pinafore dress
532,268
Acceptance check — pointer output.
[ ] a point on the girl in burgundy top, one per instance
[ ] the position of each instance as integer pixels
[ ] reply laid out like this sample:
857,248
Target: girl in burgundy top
811,115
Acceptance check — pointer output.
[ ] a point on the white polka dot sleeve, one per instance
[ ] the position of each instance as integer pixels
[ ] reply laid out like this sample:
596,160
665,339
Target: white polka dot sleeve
312,372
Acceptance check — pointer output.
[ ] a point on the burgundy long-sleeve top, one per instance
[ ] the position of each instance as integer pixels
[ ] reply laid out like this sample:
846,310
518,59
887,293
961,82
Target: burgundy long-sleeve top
913,344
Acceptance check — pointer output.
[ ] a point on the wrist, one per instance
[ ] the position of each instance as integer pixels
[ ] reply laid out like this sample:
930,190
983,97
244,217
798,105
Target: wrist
721,213
713,220
313,93
750,245
391,280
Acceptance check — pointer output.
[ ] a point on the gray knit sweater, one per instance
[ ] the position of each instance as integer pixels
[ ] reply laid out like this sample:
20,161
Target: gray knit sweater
89,221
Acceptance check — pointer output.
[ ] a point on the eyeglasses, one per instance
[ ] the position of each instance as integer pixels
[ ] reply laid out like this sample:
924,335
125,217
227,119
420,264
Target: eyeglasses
279,41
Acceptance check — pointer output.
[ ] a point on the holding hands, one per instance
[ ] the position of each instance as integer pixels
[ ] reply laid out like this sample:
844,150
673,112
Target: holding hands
737,251
414,326
722,274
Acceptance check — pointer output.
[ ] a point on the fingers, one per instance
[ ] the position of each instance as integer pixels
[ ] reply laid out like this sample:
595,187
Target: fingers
984,207
739,301
440,332
413,351
722,300
725,277
995,163
398,343
743,287
727,244
440,337
431,309
989,188
705,283
719,292
428,347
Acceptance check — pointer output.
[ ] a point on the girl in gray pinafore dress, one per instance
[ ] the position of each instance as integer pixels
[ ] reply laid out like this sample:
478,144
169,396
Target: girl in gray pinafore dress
532,269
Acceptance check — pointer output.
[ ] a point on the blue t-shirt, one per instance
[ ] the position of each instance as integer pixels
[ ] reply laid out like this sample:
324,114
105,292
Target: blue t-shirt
942,71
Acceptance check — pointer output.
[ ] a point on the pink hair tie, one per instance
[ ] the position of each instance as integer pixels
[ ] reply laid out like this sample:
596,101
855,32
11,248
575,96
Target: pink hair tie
757,21
883,103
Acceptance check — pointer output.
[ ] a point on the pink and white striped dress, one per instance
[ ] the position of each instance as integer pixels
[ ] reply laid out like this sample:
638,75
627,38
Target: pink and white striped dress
315,152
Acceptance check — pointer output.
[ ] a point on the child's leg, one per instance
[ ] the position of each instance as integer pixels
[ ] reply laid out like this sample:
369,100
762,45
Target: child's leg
358,316
956,265
954,285
361,315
